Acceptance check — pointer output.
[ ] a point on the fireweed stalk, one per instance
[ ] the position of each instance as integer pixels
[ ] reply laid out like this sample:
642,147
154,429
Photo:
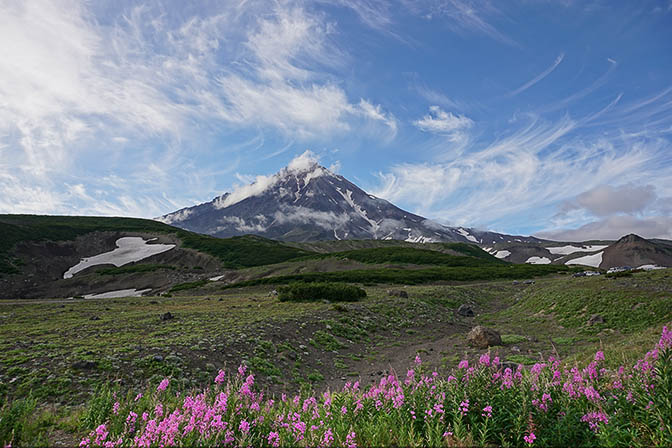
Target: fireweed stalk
551,404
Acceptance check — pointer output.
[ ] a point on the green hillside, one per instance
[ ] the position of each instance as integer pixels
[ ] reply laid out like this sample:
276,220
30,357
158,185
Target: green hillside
472,256
413,276
237,252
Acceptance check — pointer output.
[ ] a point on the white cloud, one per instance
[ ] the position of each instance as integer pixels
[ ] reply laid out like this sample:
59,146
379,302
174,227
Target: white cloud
243,226
615,227
606,200
127,89
520,178
539,77
463,16
305,215
306,164
375,112
420,184
441,122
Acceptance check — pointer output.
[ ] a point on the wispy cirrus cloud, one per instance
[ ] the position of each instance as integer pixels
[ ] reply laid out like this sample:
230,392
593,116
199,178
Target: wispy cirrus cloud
538,166
438,121
539,77
130,89
464,16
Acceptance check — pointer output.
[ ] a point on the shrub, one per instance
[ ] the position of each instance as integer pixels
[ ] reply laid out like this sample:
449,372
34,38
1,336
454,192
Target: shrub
313,292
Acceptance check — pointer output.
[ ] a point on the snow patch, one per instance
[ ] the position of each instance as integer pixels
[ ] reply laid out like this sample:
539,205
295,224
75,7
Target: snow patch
538,260
589,260
650,267
419,239
129,249
359,210
502,254
217,278
467,235
566,250
118,293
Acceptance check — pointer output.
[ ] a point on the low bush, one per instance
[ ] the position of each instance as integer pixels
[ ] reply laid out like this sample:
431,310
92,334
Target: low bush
313,292
412,276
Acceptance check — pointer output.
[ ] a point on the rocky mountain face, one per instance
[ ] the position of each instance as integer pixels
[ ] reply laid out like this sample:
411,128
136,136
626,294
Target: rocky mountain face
307,202
631,250
635,251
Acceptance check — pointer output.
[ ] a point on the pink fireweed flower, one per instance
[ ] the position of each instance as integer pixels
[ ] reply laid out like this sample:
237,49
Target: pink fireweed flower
537,368
229,438
599,356
665,338
137,397
530,438
244,427
344,410
132,416
410,377
274,439
484,360
163,385
221,377
101,434
328,437
487,411
594,419
115,408
464,364
418,361
543,403
350,440
242,369
591,394
464,407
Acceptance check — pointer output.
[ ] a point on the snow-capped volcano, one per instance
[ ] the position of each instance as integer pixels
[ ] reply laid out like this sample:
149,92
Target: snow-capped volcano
306,202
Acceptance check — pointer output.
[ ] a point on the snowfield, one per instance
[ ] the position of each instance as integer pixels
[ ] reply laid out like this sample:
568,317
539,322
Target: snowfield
467,235
566,250
538,260
117,293
650,267
129,249
502,254
589,260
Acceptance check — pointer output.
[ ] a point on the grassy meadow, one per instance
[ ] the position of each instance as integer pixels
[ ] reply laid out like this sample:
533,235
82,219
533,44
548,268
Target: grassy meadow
59,357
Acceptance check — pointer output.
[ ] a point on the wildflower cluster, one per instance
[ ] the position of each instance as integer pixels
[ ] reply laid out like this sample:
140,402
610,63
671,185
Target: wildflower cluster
551,403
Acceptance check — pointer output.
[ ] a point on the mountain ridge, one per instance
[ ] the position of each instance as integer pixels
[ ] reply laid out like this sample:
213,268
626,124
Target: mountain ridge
307,202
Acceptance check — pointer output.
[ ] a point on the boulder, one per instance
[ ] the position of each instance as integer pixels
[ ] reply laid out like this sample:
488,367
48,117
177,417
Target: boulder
167,316
465,310
482,337
397,293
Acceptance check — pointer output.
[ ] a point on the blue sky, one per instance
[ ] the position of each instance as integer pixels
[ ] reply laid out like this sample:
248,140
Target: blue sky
527,116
